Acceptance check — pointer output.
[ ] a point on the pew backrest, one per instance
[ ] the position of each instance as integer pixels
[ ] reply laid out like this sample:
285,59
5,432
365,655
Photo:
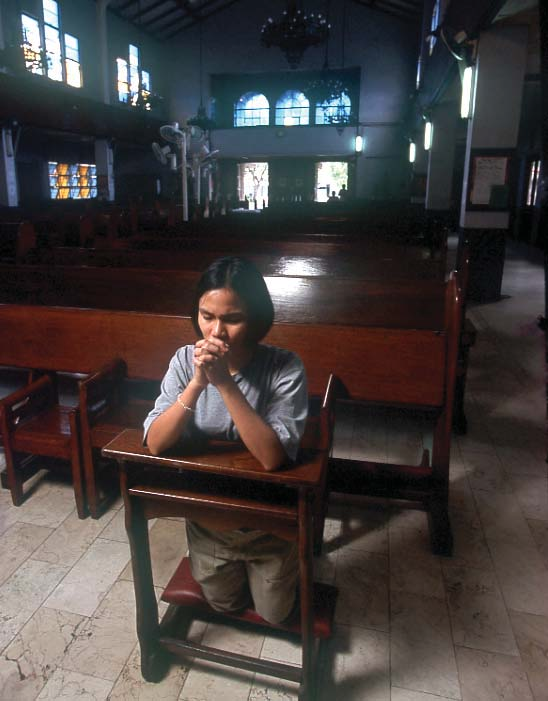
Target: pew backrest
325,263
393,366
306,300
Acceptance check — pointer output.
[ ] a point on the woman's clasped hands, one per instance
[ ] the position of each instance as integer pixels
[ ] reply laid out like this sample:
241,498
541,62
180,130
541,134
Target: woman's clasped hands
211,361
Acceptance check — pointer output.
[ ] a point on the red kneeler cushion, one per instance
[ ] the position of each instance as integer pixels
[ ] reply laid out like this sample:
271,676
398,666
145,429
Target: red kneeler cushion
183,590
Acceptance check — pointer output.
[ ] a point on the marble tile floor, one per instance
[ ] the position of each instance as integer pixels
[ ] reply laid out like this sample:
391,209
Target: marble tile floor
409,626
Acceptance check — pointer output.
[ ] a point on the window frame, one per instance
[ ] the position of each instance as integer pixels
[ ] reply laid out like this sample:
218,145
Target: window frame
63,177
230,91
293,111
32,55
50,55
251,116
333,105
132,80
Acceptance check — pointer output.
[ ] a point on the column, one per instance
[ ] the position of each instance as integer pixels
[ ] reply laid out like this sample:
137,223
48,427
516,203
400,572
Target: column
9,191
488,169
102,34
104,160
441,156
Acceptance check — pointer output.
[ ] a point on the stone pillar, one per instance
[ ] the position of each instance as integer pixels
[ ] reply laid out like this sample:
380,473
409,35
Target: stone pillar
2,34
492,136
104,161
441,156
102,35
9,191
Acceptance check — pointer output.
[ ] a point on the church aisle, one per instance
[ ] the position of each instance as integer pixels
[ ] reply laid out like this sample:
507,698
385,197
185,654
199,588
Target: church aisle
409,626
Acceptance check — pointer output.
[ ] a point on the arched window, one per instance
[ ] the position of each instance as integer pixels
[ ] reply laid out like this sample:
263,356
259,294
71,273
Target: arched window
332,111
251,110
292,108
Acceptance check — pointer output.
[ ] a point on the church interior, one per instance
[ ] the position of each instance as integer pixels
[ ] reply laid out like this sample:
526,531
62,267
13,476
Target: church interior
381,163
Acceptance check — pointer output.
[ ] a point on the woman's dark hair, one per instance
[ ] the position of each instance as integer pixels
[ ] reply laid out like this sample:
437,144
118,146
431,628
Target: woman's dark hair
244,278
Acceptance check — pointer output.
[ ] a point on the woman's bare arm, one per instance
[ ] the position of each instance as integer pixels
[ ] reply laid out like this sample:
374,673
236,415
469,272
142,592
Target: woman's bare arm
259,438
167,428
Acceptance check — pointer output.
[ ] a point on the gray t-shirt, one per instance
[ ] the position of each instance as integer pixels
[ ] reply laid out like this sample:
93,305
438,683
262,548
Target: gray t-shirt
273,382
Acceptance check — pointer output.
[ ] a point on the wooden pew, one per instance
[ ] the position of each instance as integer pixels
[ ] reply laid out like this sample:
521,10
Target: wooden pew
347,301
95,245
363,300
272,242
297,260
343,300
388,366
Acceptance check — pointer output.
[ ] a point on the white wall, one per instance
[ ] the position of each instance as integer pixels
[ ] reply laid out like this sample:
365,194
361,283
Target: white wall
383,46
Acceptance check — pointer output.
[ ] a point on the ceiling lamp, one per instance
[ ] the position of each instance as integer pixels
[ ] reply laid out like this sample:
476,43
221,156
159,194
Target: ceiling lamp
201,120
294,32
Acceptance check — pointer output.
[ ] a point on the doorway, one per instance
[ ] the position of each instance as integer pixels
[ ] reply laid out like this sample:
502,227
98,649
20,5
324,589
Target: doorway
330,177
253,184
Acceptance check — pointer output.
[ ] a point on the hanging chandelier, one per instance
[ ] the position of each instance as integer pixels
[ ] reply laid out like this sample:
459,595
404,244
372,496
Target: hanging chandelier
201,119
326,88
295,32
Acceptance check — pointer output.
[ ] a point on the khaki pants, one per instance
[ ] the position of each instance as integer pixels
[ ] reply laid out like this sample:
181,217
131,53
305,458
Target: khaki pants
237,567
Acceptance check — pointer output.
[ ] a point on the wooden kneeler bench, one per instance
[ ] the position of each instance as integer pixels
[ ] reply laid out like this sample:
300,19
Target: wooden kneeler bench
223,487
183,591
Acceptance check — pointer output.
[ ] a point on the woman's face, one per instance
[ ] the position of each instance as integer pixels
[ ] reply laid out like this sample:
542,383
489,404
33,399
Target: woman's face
222,314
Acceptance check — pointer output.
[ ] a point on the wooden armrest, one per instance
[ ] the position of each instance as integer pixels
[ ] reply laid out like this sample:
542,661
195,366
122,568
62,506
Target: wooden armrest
327,412
336,389
28,401
102,388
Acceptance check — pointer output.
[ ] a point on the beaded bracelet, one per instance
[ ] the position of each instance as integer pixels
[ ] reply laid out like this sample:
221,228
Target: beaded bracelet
185,406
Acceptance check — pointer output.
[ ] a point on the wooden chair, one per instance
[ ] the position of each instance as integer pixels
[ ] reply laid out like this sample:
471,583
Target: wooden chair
105,411
35,424
226,484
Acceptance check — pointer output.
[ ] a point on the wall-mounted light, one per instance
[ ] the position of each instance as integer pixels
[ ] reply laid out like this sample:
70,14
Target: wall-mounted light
412,151
358,143
466,97
428,135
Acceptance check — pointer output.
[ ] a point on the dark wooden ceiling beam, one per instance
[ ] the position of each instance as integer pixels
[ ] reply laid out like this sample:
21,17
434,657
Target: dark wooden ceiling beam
169,24
177,16
146,10
168,13
390,8
124,6
203,16
406,6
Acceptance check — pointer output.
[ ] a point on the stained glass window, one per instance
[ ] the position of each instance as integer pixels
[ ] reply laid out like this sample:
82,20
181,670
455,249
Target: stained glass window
76,181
